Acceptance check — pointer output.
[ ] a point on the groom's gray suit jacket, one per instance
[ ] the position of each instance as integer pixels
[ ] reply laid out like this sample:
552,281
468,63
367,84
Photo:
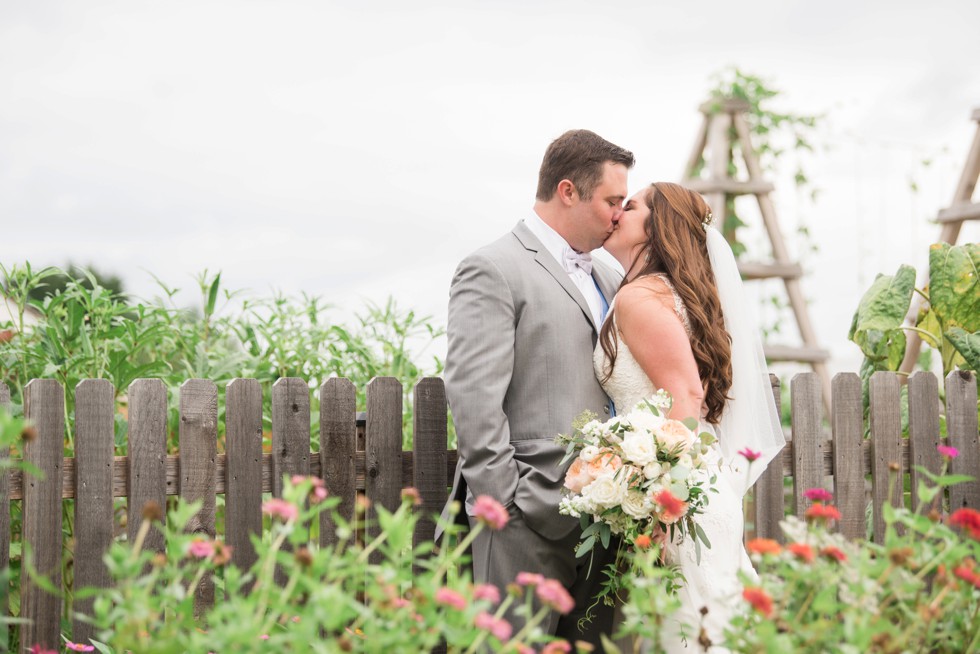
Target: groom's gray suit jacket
518,372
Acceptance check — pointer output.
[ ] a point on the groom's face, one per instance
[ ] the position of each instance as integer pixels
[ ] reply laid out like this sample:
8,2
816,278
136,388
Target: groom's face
599,215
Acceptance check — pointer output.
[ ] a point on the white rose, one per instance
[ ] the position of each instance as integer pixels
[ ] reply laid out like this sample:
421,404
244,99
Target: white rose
652,470
643,419
640,448
637,505
589,453
605,492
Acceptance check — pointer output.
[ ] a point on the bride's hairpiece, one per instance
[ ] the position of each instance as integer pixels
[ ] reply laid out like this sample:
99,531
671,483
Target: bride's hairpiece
707,220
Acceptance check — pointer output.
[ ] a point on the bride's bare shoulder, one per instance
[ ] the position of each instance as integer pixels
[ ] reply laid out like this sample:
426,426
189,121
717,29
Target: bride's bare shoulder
650,292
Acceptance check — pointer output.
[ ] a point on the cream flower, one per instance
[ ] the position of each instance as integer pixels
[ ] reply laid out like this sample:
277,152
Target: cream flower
640,447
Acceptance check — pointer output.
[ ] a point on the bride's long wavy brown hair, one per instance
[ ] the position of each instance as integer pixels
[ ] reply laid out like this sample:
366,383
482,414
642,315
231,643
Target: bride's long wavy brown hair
677,245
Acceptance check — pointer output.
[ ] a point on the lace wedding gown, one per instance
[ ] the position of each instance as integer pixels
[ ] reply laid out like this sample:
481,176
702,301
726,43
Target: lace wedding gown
712,584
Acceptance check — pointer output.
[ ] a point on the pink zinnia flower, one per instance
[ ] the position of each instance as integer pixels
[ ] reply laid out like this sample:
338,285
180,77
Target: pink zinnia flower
449,597
79,647
750,455
280,508
818,494
557,647
529,578
490,512
948,451
37,649
553,594
487,592
199,549
264,637
498,627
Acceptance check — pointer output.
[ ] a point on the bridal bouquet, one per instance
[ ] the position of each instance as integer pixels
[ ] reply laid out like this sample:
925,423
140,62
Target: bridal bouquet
637,475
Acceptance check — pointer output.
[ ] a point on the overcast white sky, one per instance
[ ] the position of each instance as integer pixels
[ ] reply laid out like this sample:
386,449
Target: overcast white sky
360,149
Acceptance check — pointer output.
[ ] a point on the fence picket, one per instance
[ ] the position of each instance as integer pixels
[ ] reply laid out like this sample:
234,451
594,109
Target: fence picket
147,458
848,449
807,437
961,429
770,504
4,521
923,390
198,467
338,441
382,449
886,446
44,405
290,430
243,470
429,460
94,444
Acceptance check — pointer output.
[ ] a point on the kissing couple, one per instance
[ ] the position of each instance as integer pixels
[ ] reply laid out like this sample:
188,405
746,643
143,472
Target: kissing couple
539,332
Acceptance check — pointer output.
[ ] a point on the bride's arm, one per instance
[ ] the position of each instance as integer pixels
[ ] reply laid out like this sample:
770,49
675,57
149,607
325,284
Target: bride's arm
655,335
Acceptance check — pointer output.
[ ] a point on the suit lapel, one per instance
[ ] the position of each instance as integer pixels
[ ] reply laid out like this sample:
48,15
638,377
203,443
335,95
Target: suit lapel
545,260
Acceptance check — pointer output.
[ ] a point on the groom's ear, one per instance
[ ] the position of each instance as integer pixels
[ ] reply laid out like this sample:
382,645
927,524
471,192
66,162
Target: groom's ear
567,192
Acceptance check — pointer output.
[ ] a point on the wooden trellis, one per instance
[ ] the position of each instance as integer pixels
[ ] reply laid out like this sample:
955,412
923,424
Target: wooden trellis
951,219
723,127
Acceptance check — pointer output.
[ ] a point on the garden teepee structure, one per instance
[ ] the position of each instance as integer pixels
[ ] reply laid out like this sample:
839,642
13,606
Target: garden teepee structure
951,219
723,128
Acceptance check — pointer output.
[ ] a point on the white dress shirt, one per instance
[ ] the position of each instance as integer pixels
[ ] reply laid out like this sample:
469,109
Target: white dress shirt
555,244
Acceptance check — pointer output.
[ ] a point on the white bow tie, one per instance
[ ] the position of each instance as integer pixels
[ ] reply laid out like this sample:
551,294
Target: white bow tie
572,260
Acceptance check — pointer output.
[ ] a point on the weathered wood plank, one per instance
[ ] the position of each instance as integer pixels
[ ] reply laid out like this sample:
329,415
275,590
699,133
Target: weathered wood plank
243,445
886,443
768,495
44,406
198,468
383,446
961,430
807,437
923,389
94,442
148,479
429,446
4,520
338,461
848,441
290,429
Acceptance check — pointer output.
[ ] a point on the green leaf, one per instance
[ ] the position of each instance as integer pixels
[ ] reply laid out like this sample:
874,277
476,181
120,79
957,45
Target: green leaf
928,322
605,534
954,285
968,345
585,547
877,324
213,294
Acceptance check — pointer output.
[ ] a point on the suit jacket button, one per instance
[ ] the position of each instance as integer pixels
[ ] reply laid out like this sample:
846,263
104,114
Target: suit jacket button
606,409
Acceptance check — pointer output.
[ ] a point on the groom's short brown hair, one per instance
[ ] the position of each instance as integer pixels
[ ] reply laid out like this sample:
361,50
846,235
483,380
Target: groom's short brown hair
578,156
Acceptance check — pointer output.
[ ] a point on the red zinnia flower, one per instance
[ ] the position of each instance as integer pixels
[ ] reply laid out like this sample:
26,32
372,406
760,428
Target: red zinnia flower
759,599
965,572
823,512
967,518
835,553
674,508
802,550
764,546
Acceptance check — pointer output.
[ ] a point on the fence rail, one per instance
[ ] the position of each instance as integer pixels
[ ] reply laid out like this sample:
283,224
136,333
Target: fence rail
366,457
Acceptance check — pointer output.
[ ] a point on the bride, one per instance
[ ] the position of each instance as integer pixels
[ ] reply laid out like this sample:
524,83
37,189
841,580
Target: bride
680,323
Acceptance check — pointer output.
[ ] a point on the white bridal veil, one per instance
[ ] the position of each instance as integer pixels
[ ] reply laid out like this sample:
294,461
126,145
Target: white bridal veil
750,419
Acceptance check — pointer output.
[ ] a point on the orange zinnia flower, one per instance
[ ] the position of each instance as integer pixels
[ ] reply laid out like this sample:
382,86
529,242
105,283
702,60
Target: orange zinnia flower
835,553
674,508
642,541
759,599
823,512
802,550
764,546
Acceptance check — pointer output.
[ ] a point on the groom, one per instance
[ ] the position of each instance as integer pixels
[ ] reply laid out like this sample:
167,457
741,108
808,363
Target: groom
524,316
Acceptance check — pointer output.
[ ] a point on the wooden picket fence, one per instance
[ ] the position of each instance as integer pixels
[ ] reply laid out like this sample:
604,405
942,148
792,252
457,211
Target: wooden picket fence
362,453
